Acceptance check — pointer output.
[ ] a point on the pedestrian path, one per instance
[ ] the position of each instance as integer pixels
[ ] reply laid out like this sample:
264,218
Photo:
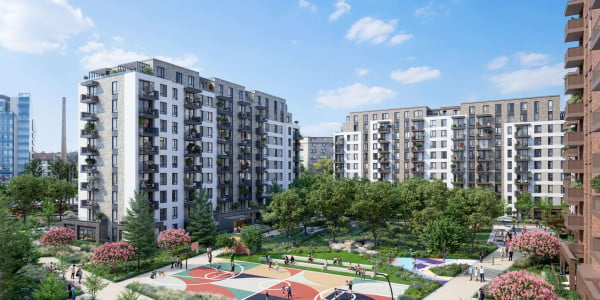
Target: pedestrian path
460,287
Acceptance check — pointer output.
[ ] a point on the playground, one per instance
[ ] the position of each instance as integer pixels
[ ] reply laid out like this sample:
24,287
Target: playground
253,281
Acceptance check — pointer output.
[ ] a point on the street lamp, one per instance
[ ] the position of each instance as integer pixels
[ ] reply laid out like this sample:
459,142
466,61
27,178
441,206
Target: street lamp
387,277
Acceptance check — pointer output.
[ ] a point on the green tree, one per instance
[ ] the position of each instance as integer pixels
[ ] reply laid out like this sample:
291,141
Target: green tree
323,165
226,240
373,205
443,235
252,237
50,288
16,250
474,208
201,224
63,170
34,168
139,227
284,211
59,191
128,295
48,210
332,199
302,186
432,206
410,199
523,204
93,283
25,191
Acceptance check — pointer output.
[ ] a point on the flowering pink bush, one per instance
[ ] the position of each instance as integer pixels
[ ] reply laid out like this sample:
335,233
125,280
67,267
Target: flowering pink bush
539,245
58,237
520,285
173,238
113,253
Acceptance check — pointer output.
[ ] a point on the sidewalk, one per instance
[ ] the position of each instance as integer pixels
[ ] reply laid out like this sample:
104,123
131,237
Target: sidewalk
461,288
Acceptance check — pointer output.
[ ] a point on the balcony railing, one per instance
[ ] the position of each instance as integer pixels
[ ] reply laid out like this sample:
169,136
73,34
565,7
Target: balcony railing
148,187
89,99
574,166
148,150
147,93
89,151
574,111
573,222
574,83
88,116
193,136
573,195
148,131
574,138
149,113
574,30
89,186
574,7
86,134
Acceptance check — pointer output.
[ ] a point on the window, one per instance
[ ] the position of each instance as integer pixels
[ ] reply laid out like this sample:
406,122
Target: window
174,178
163,196
174,196
523,106
486,108
115,87
550,128
114,124
230,94
396,115
498,109
374,117
365,118
163,108
115,105
174,92
178,77
174,110
163,90
432,123
163,125
174,144
163,214
160,72
241,95
163,161
163,178
537,128
444,123
471,110
191,81
163,143
174,128
510,107
115,144
174,161
549,105
115,161
550,152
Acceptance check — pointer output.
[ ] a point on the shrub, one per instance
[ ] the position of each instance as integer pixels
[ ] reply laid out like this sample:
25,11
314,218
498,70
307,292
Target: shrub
58,237
450,270
540,246
172,238
169,294
595,183
521,285
112,254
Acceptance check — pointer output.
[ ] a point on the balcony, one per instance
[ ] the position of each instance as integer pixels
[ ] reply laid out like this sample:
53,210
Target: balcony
89,83
192,169
89,134
458,126
244,101
260,131
192,136
148,150
148,113
223,169
194,185
260,144
192,103
260,118
573,166
521,146
417,128
595,121
458,137
573,222
574,30
89,99
574,7
148,131
595,168
259,170
245,182
484,124
523,181
458,158
595,4
224,125
574,111
417,137
146,93
245,115
88,116
245,155
574,83
595,38
148,168
89,186
89,150
259,182
574,138
573,195
192,153
193,121
522,158
245,128
89,169
259,156
574,57
148,186
383,170
384,129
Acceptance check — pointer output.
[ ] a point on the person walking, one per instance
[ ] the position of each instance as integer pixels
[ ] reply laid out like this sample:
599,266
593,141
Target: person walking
73,292
471,273
482,274
172,262
350,287
289,291
476,274
480,256
179,262
267,296
510,255
481,294
79,274
283,290
276,267
73,270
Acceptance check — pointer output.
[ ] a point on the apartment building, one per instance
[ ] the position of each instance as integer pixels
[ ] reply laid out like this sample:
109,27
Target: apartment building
511,146
314,148
16,141
157,128
581,257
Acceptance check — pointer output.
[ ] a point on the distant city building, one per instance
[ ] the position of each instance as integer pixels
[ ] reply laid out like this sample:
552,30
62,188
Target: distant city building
161,129
16,136
313,148
45,159
510,146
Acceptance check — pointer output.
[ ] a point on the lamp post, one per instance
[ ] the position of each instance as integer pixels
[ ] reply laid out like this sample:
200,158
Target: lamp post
387,277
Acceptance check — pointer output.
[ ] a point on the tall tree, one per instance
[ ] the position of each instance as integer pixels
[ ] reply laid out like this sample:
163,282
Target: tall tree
523,204
63,170
201,224
443,235
477,208
303,186
33,167
284,211
25,191
139,227
59,191
411,199
252,238
373,205
94,283
332,199
434,203
16,250
323,165
50,288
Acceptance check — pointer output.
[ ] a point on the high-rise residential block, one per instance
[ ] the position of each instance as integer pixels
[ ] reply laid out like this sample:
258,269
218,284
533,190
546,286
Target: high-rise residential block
580,258
16,140
314,148
157,128
512,146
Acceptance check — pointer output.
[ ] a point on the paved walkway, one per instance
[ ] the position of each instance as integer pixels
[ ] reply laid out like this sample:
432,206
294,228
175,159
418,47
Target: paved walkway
462,288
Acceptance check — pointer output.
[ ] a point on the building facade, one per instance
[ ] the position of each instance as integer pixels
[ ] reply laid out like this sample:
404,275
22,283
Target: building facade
16,140
314,148
160,129
512,146
581,257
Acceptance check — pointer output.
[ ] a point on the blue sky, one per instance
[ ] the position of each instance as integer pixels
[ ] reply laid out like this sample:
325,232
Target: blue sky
327,58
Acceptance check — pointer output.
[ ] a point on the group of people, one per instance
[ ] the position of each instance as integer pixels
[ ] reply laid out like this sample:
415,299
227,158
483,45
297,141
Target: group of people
289,260
76,271
479,273
176,262
507,252
360,271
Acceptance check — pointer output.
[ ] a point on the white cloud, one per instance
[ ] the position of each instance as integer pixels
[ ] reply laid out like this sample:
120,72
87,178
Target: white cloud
415,74
353,96
371,30
400,38
294,42
341,8
426,11
117,38
532,59
99,56
308,5
361,71
529,79
320,129
32,26
498,62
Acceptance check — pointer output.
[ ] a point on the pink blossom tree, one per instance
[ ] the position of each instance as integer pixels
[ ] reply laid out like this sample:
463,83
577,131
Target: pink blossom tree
111,254
171,239
58,237
540,246
521,285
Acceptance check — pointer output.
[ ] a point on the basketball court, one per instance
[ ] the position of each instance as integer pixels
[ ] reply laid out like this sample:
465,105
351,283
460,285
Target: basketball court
253,281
